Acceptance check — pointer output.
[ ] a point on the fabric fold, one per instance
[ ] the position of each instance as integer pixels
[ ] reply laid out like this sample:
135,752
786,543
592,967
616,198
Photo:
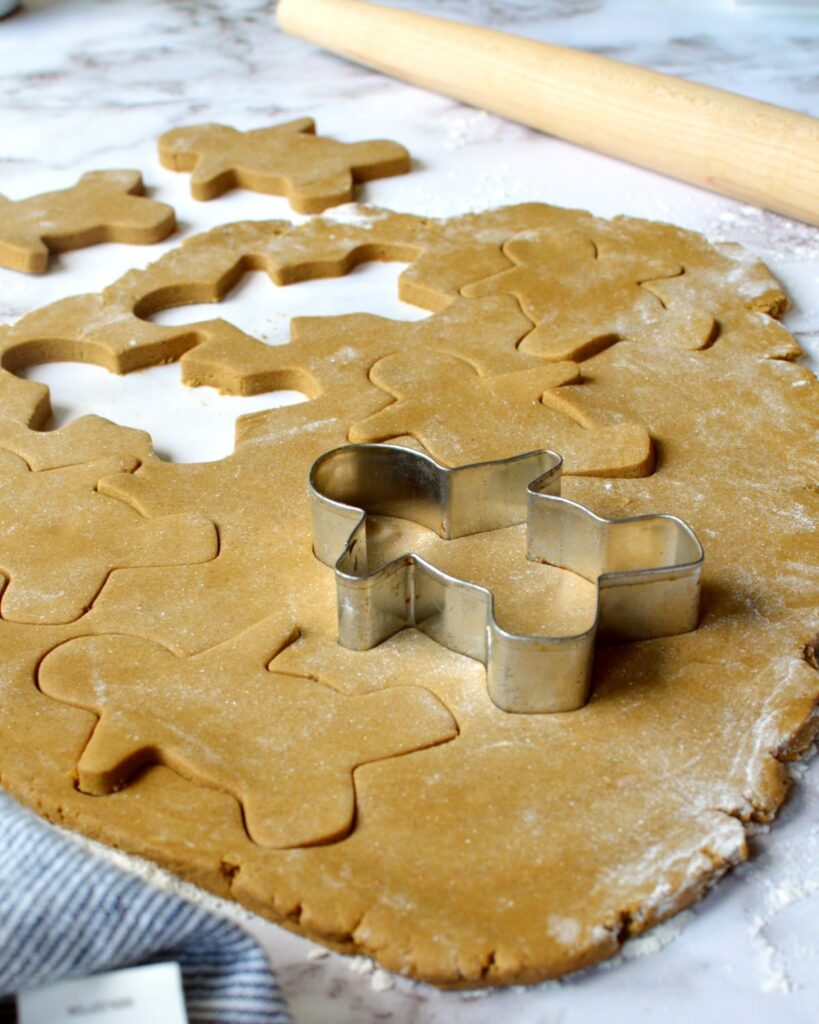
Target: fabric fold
65,912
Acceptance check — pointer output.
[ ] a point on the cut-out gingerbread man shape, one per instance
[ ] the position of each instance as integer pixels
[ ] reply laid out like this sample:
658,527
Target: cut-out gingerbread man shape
461,417
583,298
284,746
104,206
286,160
60,538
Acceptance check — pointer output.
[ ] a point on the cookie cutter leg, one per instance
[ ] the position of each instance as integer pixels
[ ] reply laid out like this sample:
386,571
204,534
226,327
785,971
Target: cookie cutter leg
647,569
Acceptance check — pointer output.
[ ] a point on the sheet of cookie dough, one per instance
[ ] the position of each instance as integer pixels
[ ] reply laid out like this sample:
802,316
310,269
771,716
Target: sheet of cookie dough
519,847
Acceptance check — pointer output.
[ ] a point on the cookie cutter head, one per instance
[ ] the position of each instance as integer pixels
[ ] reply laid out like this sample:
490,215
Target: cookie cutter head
647,568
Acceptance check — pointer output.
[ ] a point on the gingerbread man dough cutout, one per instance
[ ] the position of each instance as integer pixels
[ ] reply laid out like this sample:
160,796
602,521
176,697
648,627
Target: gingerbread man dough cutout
284,746
104,206
445,404
286,160
583,298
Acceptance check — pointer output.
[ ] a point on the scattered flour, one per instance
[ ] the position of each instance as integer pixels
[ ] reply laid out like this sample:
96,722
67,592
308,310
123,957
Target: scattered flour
354,215
381,980
773,975
657,938
361,965
764,231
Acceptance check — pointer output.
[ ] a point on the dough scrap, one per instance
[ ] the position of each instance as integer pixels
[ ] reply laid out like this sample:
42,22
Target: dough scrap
287,751
531,845
286,159
112,328
104,206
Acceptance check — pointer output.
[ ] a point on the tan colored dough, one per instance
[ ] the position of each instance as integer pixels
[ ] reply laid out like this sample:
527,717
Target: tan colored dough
157,708
82,440
318,345
104,206
60,538
454,431
583,298
528,845
286,159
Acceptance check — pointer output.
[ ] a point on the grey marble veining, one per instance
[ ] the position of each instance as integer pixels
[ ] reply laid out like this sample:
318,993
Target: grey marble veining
89,84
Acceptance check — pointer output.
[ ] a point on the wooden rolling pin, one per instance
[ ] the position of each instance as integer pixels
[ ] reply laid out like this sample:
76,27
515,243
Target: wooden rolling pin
743,148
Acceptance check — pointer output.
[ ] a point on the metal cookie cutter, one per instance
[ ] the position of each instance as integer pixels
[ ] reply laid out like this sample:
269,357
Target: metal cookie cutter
647,568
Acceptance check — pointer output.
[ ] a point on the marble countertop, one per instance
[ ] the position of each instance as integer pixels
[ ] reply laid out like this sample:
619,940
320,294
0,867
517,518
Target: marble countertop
90,84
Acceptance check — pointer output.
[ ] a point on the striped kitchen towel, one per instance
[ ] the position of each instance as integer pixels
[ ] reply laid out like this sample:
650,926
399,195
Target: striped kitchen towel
67,913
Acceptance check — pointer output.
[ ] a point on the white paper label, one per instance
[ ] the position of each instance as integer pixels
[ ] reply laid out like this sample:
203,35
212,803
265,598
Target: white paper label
136,995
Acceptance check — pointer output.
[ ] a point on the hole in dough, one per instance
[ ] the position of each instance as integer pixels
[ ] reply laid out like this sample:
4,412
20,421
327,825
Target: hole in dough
261,309
197,424
186,424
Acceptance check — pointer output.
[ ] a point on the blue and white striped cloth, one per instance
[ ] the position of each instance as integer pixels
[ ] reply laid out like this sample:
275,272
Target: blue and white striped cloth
67,913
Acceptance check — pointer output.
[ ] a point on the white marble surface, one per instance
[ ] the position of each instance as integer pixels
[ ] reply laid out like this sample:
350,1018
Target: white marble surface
92,83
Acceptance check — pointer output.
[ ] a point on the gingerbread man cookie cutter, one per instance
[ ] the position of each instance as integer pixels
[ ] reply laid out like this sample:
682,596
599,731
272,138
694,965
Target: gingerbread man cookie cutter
647,568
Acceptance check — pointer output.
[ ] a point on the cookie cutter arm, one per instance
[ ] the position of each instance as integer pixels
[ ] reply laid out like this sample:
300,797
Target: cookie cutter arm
647,569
